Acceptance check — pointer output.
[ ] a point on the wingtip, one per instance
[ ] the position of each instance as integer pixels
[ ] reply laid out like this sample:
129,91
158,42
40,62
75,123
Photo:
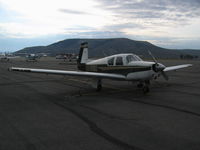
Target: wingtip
10,68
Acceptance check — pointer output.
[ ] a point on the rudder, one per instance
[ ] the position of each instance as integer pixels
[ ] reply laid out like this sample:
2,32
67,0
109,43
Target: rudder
83,56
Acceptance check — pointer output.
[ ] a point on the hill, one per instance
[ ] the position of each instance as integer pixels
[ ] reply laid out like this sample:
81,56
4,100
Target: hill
105,47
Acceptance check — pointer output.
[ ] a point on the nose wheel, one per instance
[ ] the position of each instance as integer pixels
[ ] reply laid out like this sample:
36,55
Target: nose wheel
144,86
145,89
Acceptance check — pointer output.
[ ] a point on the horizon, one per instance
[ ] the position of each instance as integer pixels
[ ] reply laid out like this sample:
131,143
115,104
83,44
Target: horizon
96,39
167,24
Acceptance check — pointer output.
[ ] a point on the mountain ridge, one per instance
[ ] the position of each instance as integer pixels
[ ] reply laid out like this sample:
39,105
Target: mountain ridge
104,47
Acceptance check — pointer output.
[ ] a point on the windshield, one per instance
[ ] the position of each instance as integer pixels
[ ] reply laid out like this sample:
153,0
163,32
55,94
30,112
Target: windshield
131,58
138,58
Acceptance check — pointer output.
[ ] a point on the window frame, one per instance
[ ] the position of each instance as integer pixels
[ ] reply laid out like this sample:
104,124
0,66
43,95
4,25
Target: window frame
113,61
122,62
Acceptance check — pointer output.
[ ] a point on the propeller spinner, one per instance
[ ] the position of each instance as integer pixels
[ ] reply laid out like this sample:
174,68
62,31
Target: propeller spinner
158,67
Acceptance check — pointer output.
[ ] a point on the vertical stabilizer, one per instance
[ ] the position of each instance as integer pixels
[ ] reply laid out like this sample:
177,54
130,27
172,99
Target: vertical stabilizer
83,56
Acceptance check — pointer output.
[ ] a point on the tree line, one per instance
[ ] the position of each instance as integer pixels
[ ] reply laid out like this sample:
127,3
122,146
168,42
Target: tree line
188,56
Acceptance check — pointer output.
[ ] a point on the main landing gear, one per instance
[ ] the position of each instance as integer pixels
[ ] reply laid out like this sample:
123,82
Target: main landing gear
97,84
145,86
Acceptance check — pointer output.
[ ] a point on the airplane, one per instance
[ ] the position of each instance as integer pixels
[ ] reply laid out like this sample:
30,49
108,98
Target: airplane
67,57
32,57
6,57
3,57
125,67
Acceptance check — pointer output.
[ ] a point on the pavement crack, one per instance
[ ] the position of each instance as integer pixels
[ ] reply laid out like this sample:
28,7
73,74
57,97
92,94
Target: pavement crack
103,113
167,107
93,127
28,145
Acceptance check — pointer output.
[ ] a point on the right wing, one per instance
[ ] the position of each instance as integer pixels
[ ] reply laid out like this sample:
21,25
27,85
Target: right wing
176,67
71,73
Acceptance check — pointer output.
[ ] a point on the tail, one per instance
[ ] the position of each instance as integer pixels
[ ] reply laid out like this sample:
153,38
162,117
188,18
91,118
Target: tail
83,56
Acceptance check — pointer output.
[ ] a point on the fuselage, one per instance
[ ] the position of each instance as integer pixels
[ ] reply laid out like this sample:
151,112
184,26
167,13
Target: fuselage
31,57
4,57
130,65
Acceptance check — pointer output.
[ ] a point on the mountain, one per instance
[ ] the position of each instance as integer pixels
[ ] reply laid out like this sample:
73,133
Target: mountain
106,47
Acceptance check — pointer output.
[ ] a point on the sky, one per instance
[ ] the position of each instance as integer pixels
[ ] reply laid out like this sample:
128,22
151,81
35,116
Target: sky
167,23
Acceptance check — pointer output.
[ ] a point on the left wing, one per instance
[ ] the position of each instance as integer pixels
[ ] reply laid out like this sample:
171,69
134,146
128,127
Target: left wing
176,67
71,73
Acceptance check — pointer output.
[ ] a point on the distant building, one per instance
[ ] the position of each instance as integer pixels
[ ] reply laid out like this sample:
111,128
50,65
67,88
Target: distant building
67,56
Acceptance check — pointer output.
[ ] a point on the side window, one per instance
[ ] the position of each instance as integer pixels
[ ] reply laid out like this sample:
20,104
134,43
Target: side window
111,61
129,58
119,61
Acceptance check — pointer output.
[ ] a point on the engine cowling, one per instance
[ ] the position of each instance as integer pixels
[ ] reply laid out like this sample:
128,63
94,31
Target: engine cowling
157,67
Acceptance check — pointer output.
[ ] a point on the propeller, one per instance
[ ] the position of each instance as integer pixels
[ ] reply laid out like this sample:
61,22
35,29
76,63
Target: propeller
157,67
152,57
164,75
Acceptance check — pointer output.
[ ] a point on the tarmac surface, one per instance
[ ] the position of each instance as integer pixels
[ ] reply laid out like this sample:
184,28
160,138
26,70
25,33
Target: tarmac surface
48,112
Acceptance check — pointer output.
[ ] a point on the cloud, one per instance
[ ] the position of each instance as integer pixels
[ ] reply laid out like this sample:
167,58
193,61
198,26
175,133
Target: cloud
95,34
75,12
120,27
136,19
36,18
173,10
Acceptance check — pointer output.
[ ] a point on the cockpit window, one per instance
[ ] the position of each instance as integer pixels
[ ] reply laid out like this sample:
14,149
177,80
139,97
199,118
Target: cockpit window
130,58
119,61
111,61
138,58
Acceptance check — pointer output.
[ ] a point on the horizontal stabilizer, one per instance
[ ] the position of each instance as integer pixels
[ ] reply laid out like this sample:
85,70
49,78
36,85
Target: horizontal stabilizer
176,67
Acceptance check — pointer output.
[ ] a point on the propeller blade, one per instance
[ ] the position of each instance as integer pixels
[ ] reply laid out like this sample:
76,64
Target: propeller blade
164,75
152,56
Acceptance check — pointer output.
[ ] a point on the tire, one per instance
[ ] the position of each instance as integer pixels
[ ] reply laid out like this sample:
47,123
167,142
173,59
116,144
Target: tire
140,85
145,89
99,86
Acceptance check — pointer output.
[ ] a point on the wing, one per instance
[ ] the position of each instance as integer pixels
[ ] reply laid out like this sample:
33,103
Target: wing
176,67
71,73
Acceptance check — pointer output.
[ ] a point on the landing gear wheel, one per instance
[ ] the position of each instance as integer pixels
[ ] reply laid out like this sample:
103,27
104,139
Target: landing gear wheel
145,89
99,86
140,85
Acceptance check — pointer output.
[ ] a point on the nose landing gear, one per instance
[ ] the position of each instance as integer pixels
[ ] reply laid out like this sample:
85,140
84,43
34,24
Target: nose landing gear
145,86
145,89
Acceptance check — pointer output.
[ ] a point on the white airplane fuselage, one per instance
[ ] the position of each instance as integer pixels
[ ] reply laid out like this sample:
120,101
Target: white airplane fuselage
130,65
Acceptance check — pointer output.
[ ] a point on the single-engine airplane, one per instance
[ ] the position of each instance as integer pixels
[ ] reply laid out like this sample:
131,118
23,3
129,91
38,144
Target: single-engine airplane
6,57
32,57
3,57
127,67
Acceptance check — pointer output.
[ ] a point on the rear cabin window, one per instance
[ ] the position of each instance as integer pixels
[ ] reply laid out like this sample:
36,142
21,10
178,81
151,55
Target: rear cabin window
119,61
111,62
